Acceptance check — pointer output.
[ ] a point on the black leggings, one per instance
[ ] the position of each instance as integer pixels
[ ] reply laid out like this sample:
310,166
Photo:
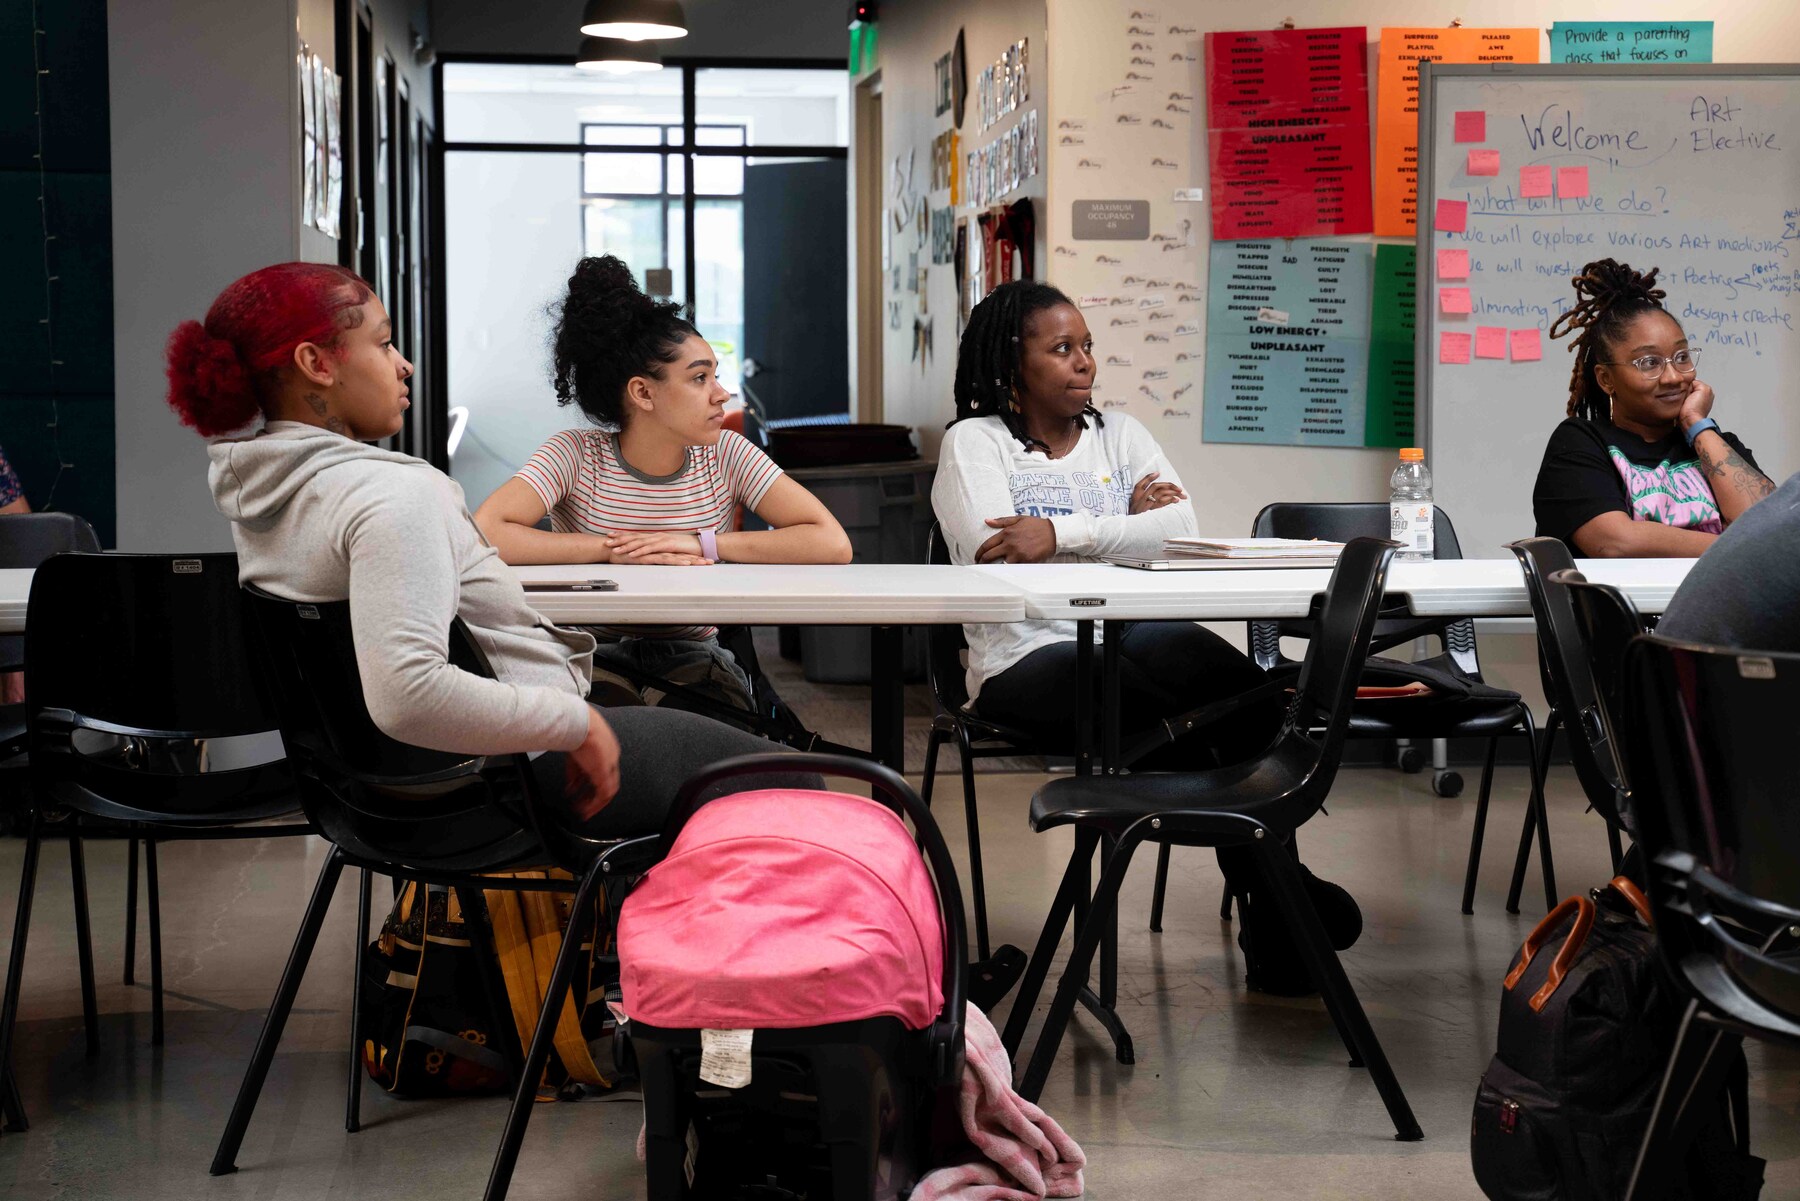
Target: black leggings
658,750
1165,668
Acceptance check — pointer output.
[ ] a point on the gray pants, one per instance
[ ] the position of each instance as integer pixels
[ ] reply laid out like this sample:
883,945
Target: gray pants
659,749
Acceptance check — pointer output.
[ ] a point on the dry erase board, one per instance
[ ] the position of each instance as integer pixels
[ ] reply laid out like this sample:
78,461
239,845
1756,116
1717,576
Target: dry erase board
1693,168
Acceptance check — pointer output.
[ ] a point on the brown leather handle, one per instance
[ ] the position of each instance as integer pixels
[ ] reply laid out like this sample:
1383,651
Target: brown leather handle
1534,942
1635,895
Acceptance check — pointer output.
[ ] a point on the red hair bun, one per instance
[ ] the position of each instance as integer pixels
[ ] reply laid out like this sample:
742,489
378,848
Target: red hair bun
209,386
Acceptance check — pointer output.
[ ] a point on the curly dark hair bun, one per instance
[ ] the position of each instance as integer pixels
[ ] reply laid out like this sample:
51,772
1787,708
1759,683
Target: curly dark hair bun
210,388
607,331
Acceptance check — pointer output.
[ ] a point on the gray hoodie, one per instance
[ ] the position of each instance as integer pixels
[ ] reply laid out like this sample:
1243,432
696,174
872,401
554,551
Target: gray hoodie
320,517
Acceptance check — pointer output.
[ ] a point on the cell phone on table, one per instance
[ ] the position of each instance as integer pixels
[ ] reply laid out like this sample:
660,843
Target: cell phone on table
571,585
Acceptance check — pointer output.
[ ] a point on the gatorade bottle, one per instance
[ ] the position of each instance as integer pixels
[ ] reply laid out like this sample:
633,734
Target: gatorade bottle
1409,507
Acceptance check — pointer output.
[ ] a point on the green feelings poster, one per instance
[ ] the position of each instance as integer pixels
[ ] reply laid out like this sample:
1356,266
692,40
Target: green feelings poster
1631,42
1388,416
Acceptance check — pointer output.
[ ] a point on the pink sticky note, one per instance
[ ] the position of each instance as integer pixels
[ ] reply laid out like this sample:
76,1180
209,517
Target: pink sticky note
1571,182
1527,345
1455,300
1484,162
1471,127
1452,216
1453,348
1534,181
1453,264
1490,342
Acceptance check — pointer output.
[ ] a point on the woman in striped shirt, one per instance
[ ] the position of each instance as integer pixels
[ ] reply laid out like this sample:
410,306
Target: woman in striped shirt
658,477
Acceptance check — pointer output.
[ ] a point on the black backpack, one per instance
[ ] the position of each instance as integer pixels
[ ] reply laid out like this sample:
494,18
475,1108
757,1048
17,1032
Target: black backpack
1586,1030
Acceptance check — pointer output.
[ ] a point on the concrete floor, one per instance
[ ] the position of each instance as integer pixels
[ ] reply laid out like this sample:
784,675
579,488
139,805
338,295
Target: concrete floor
1233,1095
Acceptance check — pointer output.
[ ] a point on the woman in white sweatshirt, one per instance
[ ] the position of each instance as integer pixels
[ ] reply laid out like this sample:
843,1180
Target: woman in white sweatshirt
318,514
1031,472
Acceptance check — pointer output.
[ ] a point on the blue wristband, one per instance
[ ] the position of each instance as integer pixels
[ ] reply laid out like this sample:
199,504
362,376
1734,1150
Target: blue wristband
1693,432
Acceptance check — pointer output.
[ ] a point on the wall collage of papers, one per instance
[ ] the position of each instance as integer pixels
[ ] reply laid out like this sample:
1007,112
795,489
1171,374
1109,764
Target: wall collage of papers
1310,294
991,240
321,144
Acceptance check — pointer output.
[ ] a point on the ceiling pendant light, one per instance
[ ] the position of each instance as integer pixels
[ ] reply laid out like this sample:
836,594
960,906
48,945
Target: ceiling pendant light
634,20
611,56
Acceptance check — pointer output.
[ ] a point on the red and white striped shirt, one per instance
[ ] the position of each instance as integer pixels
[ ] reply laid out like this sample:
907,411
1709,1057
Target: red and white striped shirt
589,488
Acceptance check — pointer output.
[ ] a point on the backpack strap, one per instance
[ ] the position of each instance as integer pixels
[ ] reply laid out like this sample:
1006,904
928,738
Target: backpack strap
1565,957
1631,892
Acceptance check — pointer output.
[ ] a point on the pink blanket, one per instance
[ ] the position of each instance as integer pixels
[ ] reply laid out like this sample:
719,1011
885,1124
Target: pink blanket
1025,1154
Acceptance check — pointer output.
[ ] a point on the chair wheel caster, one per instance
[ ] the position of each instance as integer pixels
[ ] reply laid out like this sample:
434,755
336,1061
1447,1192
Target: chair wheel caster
1412,760
1447,783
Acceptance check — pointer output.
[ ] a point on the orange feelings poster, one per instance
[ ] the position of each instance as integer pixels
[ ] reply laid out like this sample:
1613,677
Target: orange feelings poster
1397,105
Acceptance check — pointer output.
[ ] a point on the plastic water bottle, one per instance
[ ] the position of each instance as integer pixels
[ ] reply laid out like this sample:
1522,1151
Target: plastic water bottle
1409,507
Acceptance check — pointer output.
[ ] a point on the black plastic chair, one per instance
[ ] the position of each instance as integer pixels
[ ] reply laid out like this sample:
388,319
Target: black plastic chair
976,737
1568,669
1489,717
1258,803
417,814
1709,750
878,1086
134,664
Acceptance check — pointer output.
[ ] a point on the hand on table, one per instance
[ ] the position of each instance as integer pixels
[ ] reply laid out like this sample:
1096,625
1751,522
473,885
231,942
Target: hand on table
1020,540
591,771
668,548
1150,495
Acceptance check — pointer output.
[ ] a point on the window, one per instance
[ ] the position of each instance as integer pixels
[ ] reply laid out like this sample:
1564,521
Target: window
544,163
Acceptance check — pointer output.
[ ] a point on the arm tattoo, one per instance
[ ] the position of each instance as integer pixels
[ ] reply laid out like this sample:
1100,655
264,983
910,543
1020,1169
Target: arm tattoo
1734,469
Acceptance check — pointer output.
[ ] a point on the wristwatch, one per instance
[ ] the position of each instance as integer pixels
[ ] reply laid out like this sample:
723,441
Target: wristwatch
709,544
1693,432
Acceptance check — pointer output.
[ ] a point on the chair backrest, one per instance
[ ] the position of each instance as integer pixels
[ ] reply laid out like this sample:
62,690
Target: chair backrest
1608,622
1340,522
376,796
1708,749
1569,675
26,540
150,649
945,644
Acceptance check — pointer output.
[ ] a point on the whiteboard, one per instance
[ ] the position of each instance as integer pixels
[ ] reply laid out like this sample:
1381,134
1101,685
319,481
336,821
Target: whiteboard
1691,168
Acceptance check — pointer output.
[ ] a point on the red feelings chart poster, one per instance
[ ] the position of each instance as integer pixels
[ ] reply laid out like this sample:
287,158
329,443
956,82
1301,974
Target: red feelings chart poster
1288,132
1397,114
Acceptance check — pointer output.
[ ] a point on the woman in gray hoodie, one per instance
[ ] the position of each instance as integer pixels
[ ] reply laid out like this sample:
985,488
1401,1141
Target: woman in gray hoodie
319,514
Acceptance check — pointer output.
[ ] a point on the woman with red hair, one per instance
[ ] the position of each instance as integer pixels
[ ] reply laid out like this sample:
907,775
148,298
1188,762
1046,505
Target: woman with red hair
319,514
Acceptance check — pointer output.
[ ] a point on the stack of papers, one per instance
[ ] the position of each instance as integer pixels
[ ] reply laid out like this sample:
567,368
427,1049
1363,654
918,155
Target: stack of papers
1323,553
1189,554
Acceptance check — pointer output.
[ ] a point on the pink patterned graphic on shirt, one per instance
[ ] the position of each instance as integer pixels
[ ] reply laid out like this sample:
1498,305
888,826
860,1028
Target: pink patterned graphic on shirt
1676,494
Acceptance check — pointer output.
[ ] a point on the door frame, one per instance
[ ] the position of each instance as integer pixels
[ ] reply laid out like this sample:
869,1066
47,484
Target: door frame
866,314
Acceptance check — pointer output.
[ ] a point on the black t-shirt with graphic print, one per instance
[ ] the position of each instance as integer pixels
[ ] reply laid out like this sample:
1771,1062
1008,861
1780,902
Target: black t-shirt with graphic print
1592,467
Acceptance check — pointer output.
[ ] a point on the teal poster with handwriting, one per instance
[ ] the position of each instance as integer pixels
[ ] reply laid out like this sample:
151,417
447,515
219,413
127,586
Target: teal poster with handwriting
1631,42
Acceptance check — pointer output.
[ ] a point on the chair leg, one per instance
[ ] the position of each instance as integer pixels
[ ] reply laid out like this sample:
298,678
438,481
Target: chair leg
1616,847
1535,824
154,894
972,818
1074,883
12,1106
131,894
1109,936
1480,831
1162,888
84,937
1279,870
1697,1069
525,1091
353,1095
1075,974
225,1159
15,963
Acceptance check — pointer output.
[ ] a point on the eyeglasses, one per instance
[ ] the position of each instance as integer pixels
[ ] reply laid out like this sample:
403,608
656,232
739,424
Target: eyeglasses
1686,362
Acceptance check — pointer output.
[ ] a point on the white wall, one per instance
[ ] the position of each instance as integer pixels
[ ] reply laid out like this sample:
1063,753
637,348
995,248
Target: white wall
205,146
717,28
912,38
